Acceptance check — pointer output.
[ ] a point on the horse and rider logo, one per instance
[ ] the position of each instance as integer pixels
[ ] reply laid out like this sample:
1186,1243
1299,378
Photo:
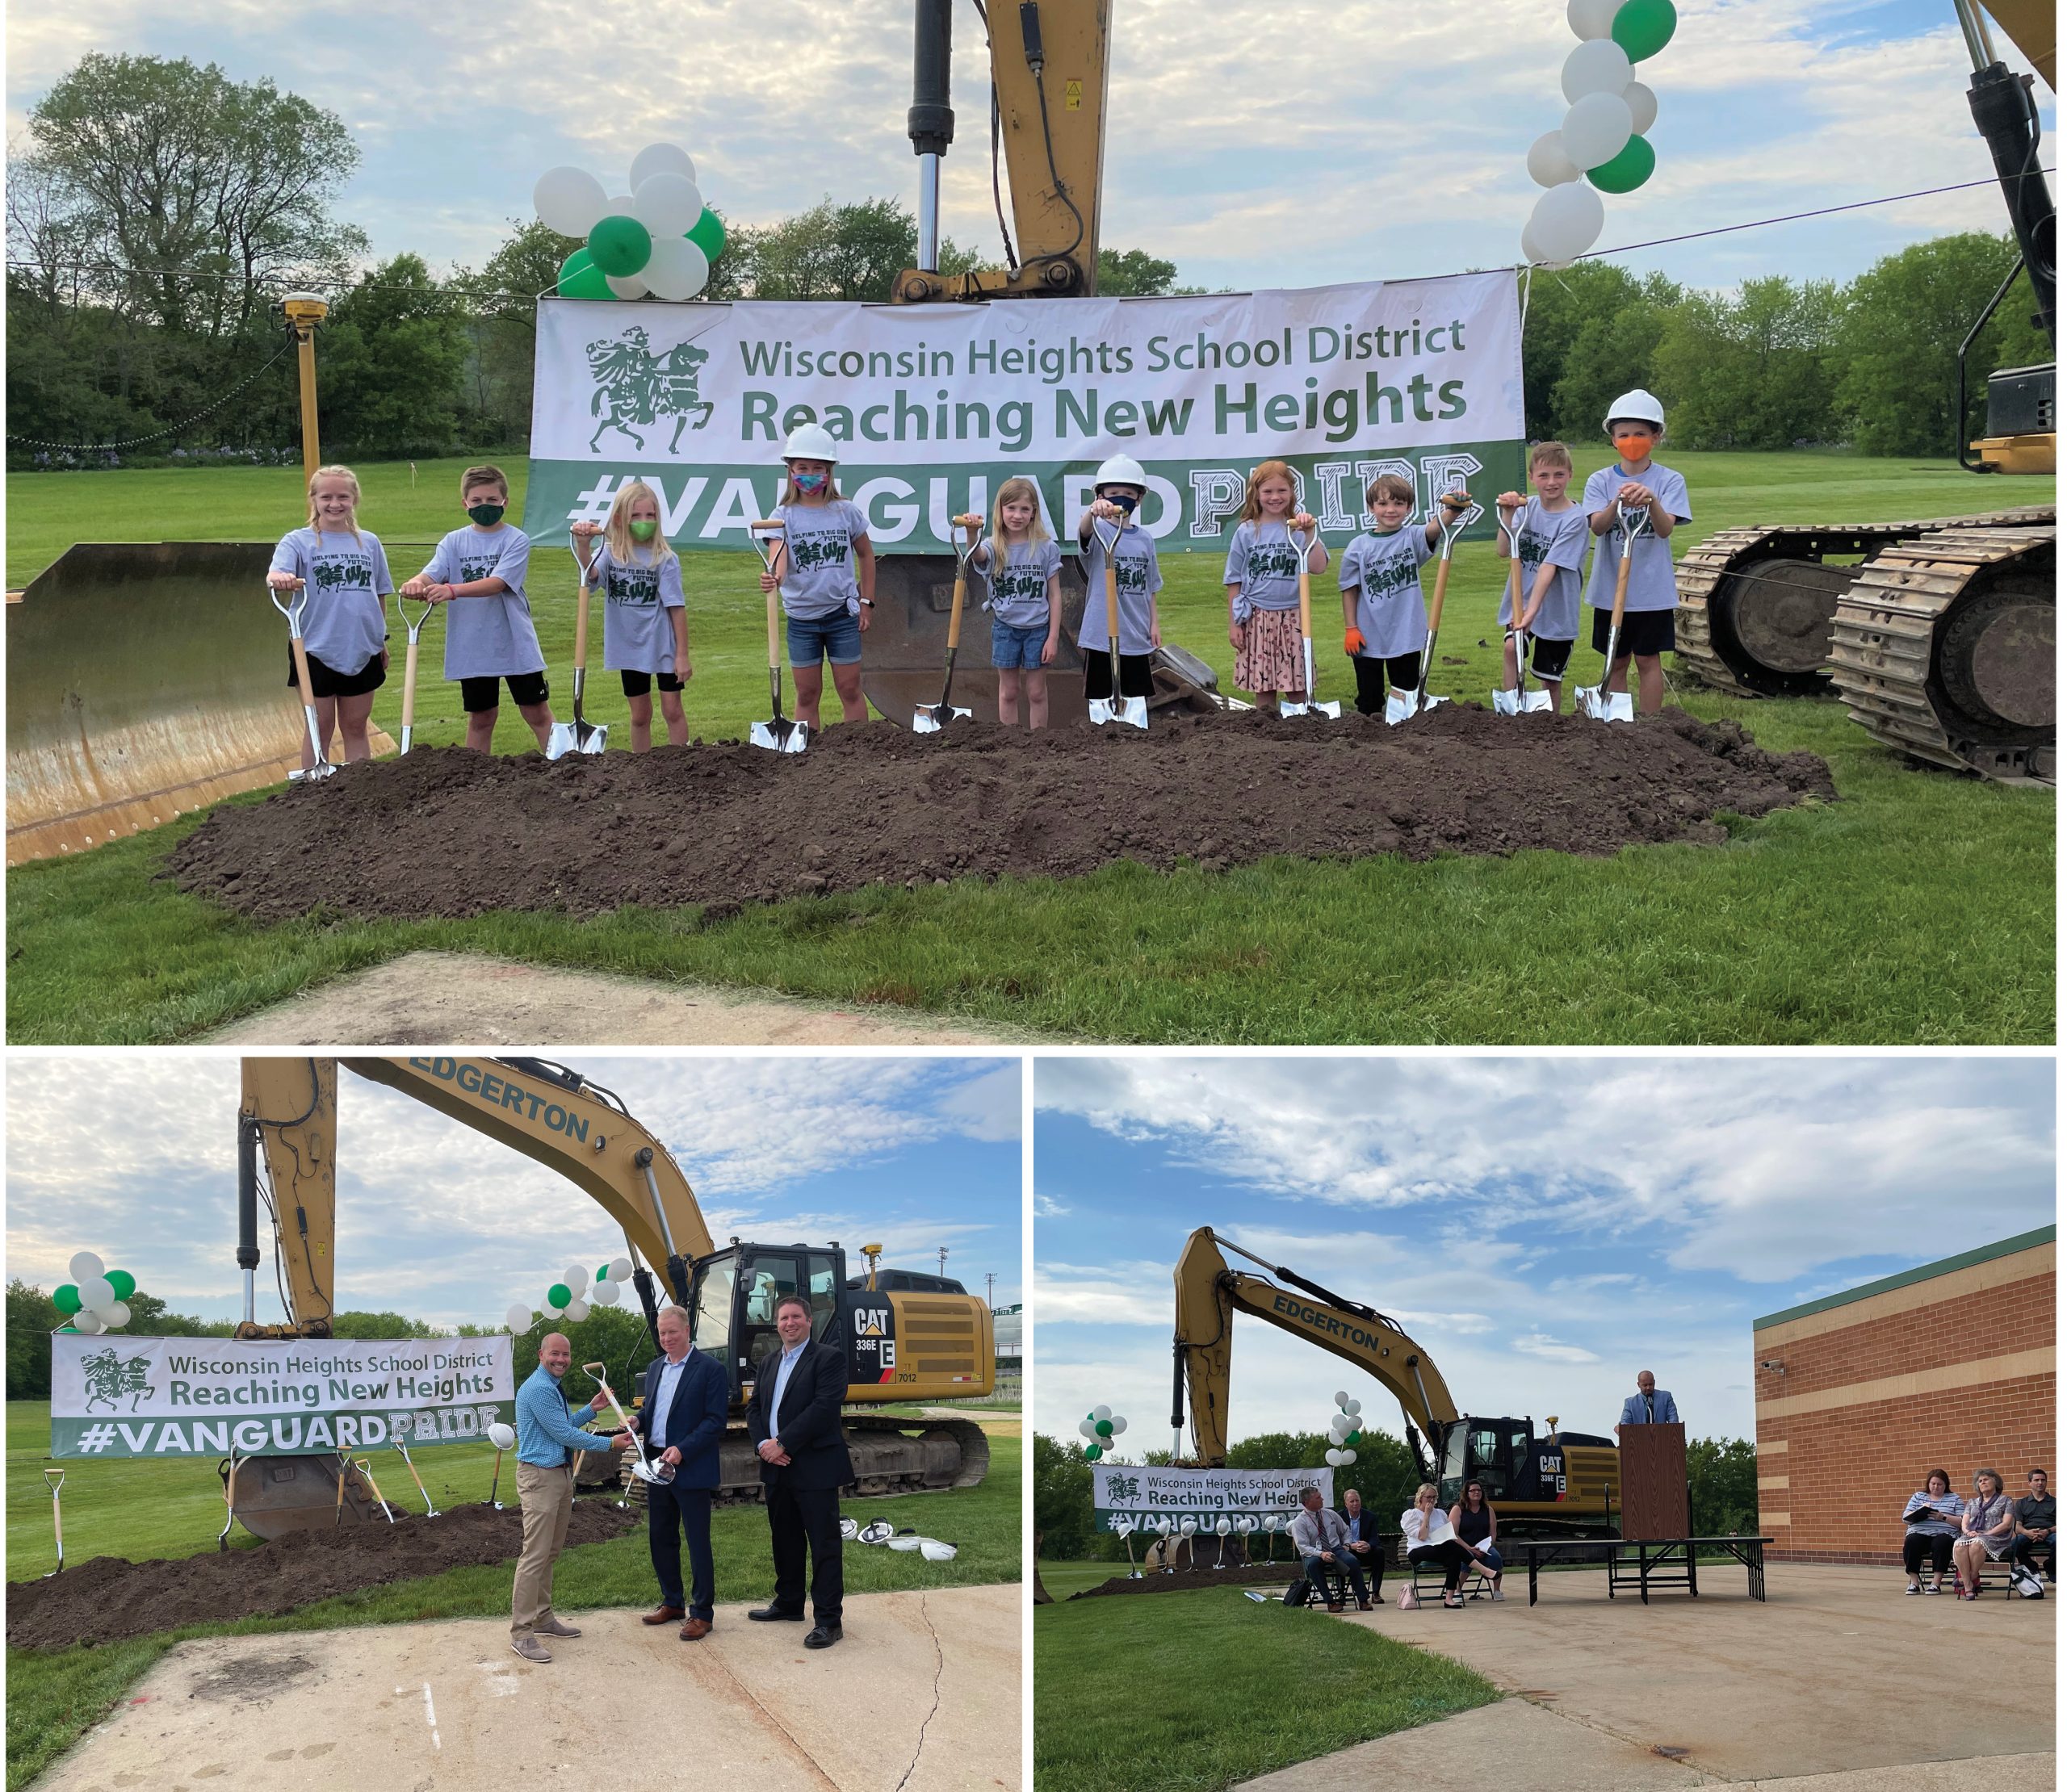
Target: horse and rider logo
634,386
110,1378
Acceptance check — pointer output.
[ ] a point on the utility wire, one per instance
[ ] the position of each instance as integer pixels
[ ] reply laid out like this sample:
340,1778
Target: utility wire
172,429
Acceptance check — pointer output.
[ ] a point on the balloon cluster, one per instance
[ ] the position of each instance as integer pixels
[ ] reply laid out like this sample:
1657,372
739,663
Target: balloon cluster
570,1297
93,1300
657,241
1602,139
1345,1431
1098,1427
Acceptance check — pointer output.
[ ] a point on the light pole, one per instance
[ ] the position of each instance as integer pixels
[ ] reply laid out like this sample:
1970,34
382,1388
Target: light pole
304,311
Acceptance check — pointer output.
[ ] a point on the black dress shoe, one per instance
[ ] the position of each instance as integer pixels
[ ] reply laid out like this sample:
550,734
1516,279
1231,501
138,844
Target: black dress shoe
824,1637
775,1614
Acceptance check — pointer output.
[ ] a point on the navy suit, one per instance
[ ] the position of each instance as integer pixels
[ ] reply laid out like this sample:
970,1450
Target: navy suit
1364,1529
1664,1412
694,1424
803,1499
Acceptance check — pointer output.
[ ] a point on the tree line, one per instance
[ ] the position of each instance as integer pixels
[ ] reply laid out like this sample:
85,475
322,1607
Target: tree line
157,211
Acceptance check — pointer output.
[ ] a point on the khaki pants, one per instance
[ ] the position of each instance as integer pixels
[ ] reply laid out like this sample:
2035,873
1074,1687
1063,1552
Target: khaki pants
546,1496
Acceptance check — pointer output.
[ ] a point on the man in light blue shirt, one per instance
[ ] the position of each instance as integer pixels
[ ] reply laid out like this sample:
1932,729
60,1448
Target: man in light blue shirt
1651,1404
547,1436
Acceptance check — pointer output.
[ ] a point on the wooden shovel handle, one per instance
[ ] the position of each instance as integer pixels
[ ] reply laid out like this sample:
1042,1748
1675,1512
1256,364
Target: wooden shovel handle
1442,585
301,666
409,686
1621,585
954,615
1306,587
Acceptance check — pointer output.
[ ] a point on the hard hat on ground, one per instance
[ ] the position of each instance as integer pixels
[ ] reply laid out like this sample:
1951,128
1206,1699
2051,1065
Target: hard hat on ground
1635,407
810,441
1121,470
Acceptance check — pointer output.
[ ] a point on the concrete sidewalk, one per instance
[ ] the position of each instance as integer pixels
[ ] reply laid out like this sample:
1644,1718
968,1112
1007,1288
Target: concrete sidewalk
923,1694
1838,1683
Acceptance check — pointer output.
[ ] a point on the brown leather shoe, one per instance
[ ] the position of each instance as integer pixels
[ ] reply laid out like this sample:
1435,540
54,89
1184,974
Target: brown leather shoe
663,1614
695,1629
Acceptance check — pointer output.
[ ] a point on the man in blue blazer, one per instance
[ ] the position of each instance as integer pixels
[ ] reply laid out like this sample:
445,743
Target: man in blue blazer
1366,1540
1649,1405
682,1422
794,1419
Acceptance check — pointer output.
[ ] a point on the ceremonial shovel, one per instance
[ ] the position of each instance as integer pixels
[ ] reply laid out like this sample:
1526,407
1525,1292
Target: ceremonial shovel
1116,708
1598,701
929,718
55,1479
580,735
1521,699
778,734
322,769
654,1474
409,663
1400,705
1313,705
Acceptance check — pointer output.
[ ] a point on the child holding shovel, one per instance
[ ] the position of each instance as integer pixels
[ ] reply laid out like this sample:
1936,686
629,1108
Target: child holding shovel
645,619
825,569
1023,567
1121,485
1384,617
1636,424
489,635
1262,577
344,570
1548,532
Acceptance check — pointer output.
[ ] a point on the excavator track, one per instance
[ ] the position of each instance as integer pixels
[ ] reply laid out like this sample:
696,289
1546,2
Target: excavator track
1943,649
1757,604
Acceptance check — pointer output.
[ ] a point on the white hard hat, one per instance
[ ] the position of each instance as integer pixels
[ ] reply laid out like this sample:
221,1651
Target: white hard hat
810,441
1121,470
1638,407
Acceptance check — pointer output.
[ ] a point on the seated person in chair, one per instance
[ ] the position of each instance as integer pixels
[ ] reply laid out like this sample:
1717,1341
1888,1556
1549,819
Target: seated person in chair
2035,1513
1364,1540
1932,1518
1425,1528
1321,1541
1478,1528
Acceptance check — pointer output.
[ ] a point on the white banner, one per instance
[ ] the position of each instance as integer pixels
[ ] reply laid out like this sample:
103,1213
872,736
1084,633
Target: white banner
935,405
118,1395
1145,1495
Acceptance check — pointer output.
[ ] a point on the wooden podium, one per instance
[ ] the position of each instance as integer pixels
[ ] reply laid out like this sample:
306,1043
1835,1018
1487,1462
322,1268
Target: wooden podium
1656,1503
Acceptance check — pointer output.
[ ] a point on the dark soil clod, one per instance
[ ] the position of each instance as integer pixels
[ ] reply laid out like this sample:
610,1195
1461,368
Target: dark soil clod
450,833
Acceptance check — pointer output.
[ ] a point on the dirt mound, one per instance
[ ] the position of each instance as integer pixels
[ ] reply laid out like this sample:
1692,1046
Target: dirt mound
1257,1574
106,1599
452,833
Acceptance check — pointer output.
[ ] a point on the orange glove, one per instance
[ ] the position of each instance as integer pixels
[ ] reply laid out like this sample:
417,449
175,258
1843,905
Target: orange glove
1352,641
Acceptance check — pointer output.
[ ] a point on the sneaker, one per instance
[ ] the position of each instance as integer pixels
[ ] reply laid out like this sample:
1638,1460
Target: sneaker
1935,1586
1500,1598
552,1626
1913,1588
530,1648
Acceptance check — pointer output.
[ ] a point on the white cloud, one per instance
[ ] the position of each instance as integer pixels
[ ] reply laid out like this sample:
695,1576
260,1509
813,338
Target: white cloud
1541,1344
988,1106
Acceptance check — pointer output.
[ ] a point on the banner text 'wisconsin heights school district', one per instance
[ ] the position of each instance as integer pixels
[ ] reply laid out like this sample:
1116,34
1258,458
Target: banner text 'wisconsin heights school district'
935,406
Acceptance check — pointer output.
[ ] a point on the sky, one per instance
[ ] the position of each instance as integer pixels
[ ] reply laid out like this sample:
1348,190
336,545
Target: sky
1308,142
1543,1227
135,1157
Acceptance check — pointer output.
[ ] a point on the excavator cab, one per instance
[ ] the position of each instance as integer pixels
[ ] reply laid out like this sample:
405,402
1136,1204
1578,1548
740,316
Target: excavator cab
733,1296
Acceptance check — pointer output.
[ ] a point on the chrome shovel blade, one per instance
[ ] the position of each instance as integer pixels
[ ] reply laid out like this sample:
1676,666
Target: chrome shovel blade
1534,702
591,737
793,736
1332,711
560,742
1506,703
929,717
1400,705
1606,705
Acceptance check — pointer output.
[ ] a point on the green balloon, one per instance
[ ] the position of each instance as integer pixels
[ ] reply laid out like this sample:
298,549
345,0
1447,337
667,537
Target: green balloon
1628,169
708,234
123,1284
620,246
602,1272
1093,1451
66,1299
1354,1439
580,278
560,1295
1643,28
1103,1428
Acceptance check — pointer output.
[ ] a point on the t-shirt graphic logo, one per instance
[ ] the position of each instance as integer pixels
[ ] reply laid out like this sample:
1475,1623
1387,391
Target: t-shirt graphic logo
1021,584
1390,575
1273,560
808,552
1131,574
341,575
639,585
472,570
635,386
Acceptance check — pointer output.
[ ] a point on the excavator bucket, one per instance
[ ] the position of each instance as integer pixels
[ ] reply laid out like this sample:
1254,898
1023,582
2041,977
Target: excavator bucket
905,646
144,680
273,1495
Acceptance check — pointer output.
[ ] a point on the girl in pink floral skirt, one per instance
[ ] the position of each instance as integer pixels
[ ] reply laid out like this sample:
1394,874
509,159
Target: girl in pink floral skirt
1263,587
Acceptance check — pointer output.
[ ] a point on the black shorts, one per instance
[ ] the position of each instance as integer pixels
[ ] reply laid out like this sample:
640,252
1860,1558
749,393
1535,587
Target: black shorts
323,681
1643,631
641,684
1551,657
1403,671
1136,679
528,690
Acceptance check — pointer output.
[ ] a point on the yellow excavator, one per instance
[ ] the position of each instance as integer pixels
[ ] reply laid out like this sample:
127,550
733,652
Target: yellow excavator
908,1336
1937,635
1563,1484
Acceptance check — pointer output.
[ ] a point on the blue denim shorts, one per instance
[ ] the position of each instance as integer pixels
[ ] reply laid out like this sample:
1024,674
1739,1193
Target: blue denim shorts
837,638
1013,649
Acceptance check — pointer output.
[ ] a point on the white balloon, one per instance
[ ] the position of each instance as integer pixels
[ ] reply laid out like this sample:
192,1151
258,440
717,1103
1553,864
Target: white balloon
96,1292
670,204
1086,1429
1341,1398
1601,66
502,1437
666,158
1595,129
86,1266
1101,1412
1565,224
1643,107
1333,1457
620,1269
577,1313
631,286
1590,18
569,200
1348,1458
1356,1406
606,1294
90,1323
577,1280
519,1318
677,269
1119,1424
116,1315
1549,165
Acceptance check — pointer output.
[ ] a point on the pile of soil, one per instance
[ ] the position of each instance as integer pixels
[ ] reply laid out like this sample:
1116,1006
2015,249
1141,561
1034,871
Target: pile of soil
450,833
107,1599
1258,1574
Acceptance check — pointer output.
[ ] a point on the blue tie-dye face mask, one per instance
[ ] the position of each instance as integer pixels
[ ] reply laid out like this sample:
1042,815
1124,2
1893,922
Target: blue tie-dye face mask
809,483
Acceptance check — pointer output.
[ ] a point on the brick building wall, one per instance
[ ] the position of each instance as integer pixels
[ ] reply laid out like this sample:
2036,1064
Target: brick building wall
1949,1365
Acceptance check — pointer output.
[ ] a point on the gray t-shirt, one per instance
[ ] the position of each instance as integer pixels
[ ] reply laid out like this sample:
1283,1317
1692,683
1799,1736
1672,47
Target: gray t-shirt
1559,537
638,635
347,586
1651,584
1264,560
1019,589
1139,578
818,570
1385,572
486,637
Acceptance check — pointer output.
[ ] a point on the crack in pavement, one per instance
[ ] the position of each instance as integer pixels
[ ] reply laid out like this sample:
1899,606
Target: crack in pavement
940,1667
770,1719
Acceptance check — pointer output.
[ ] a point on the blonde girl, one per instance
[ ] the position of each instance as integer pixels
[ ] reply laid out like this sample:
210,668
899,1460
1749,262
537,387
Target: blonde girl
645,619
825,570
1022,564
1263,587
344,570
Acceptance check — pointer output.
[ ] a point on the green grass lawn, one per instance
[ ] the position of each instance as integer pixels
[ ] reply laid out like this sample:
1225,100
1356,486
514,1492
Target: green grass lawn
144,1509
1919,910
1189,1691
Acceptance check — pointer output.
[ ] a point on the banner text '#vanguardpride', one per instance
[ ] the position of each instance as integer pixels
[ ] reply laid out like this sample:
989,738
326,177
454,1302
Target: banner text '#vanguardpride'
283,1435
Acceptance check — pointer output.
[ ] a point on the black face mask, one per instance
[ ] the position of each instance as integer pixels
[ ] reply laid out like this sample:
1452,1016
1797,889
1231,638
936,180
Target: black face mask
1126,501
486,515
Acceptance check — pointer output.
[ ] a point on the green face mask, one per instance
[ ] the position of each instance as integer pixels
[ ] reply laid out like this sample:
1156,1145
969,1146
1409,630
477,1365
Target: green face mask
486,515
642,530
